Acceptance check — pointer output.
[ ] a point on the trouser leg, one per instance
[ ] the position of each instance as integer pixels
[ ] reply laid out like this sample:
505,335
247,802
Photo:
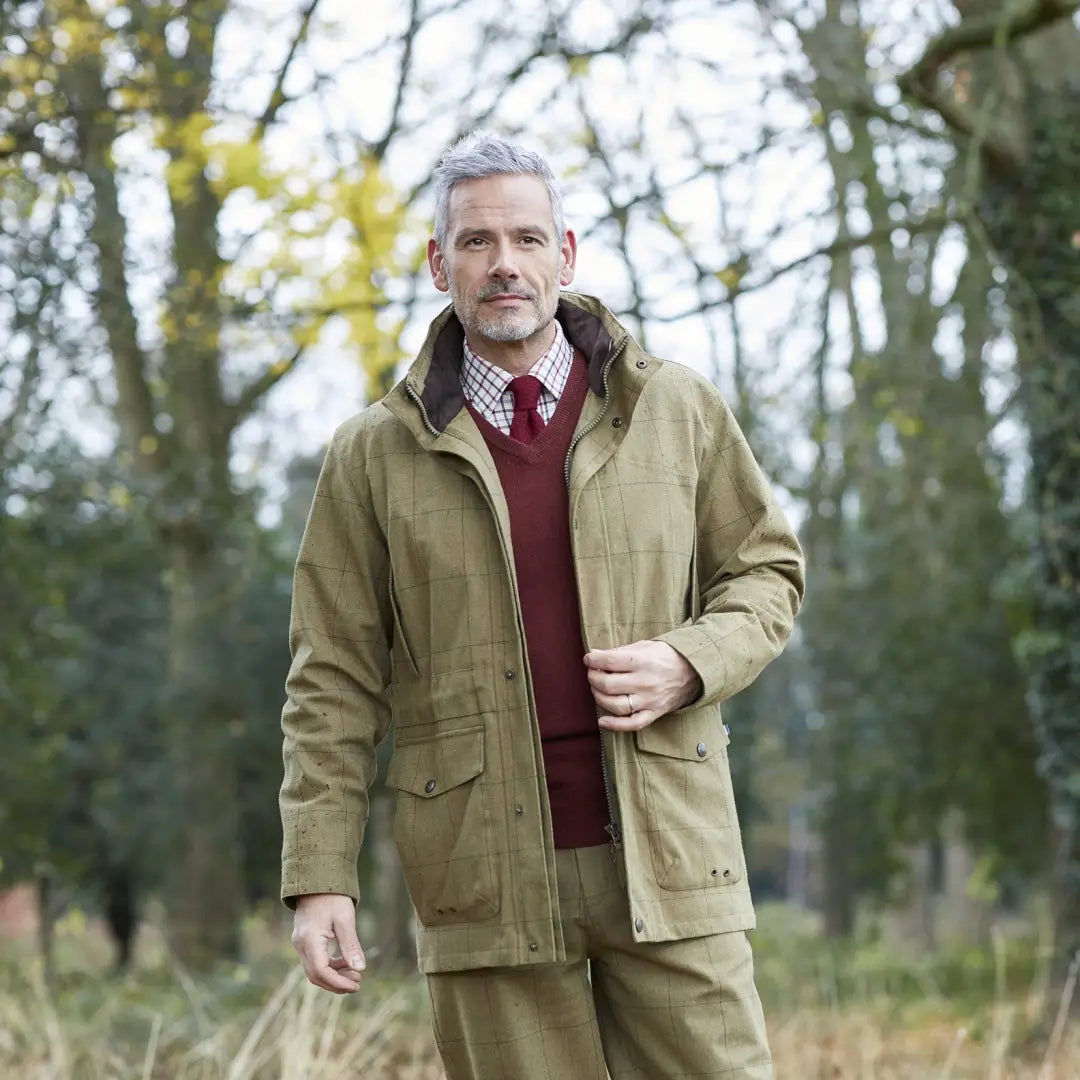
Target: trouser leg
523,1023
674,1009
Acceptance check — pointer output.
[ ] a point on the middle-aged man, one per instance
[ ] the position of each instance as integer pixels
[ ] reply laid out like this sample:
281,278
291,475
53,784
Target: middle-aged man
547,557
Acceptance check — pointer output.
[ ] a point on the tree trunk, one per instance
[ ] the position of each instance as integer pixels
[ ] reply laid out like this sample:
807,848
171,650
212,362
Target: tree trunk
1032,216
206,900
45,885
393,909
839,884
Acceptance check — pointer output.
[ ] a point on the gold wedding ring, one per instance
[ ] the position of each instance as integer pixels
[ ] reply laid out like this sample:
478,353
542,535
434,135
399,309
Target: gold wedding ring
630,705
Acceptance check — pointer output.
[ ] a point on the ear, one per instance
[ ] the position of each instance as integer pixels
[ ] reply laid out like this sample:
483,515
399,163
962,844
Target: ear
437,266
567,258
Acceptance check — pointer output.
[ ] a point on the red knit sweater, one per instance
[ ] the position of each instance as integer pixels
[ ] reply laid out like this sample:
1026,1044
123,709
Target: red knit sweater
535,489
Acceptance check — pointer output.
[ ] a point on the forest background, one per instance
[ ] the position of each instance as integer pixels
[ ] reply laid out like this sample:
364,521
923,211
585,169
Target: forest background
860,218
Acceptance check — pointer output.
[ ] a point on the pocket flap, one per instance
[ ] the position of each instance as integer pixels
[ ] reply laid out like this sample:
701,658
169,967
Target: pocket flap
440,697
429,767
691,736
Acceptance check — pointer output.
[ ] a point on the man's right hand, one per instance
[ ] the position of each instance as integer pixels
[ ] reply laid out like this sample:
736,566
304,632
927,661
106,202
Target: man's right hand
321,921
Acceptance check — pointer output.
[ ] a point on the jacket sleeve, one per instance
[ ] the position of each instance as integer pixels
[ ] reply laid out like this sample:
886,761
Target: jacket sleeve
337,709
749,567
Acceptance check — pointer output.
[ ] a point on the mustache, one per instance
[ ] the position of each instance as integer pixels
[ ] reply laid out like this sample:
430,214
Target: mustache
497,289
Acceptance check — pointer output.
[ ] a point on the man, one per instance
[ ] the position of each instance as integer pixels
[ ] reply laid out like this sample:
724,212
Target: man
547,557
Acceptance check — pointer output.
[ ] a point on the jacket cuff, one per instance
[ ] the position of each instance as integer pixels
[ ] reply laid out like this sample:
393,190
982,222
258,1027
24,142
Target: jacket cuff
307,874
701,653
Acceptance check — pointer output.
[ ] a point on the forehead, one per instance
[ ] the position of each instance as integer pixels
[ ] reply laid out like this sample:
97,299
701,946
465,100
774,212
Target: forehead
500,201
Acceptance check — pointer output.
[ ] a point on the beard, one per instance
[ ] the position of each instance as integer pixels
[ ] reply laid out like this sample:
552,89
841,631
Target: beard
501,324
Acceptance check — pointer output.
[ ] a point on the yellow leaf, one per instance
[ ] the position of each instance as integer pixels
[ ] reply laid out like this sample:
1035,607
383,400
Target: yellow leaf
729,277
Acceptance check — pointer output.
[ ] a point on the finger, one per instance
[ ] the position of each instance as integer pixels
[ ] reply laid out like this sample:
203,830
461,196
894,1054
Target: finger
623,658
349,943
317,967
611,684
341,966
636,722
328,979
617,705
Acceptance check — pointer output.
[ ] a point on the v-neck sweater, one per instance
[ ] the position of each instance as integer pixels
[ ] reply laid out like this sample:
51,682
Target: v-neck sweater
533,482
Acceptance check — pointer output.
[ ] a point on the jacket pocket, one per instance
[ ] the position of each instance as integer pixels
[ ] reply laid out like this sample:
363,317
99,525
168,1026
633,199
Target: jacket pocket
441,826
692,828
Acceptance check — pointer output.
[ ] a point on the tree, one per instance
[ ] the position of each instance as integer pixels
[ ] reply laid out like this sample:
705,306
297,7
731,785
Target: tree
1023,142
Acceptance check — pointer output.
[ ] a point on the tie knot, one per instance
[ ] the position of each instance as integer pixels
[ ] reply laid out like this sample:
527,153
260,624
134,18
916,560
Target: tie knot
526,391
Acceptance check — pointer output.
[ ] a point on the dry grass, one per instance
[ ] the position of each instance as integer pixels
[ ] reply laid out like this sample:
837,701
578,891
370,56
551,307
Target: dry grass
264,1023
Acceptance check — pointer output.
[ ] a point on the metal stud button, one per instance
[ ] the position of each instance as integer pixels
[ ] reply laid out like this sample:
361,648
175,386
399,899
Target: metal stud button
532,946
639,924
642,363
519,810
508,673
702,749
429,787
617,422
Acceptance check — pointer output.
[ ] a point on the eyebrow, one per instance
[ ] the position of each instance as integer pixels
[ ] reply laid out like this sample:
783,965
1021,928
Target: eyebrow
523,230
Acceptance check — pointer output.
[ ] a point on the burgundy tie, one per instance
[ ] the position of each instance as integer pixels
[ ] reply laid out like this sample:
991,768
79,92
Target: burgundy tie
527,422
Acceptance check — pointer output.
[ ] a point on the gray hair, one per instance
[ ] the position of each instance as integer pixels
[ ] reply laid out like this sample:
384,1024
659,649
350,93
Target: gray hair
481,154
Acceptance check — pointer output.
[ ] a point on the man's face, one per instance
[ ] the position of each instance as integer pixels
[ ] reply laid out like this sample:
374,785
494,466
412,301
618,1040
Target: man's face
503,264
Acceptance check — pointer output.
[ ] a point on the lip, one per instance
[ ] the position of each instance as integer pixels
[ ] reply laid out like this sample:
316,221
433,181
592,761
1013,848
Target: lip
507,298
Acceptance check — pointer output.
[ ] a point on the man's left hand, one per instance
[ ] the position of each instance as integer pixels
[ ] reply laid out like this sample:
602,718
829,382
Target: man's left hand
650,676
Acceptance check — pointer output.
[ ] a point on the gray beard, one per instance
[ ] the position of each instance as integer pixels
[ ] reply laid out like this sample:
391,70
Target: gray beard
503,327
510,326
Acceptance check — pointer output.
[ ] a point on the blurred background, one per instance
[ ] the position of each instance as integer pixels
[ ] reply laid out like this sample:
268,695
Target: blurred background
860,218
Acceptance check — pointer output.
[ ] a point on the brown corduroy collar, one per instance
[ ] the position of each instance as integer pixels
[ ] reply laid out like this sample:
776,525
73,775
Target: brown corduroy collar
442,396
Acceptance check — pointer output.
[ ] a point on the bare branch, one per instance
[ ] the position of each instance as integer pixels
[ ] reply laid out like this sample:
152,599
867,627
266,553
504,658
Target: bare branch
415,19
978,32
920,81
256,390
931,223
277,96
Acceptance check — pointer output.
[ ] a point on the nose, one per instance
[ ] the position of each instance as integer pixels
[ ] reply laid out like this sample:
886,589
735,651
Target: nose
503,264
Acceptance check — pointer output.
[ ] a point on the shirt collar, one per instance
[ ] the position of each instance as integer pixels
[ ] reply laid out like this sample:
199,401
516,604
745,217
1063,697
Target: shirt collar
551,369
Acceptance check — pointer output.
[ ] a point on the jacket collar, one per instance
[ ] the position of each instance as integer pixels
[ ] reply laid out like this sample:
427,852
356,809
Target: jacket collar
435,376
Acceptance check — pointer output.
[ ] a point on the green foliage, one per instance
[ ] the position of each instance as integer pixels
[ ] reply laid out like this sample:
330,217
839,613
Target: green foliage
81,670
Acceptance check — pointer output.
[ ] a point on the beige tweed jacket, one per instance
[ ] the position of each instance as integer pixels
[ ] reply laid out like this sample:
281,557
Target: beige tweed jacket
405,611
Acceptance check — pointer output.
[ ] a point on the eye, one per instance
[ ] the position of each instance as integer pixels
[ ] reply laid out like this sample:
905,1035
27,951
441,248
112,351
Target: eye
530,240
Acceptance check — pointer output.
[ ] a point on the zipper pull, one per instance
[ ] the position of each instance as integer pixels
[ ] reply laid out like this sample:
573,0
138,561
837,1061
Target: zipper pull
613,831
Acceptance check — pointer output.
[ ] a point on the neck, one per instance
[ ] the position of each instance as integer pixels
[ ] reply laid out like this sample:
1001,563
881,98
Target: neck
514,357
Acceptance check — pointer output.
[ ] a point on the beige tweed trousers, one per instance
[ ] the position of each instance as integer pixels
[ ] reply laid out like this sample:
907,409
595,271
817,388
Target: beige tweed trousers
619,1008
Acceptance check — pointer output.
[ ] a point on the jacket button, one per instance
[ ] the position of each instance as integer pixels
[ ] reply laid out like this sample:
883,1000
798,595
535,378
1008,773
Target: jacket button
639,924
519,810
509,673
532,946
702,749
429,787
617,422
642,363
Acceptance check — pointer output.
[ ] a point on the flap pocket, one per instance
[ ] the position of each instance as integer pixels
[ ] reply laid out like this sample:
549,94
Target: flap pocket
696,735
430,767
440,697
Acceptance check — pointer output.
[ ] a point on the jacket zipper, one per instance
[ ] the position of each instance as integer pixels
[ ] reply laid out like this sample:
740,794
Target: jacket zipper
612,828
423,410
